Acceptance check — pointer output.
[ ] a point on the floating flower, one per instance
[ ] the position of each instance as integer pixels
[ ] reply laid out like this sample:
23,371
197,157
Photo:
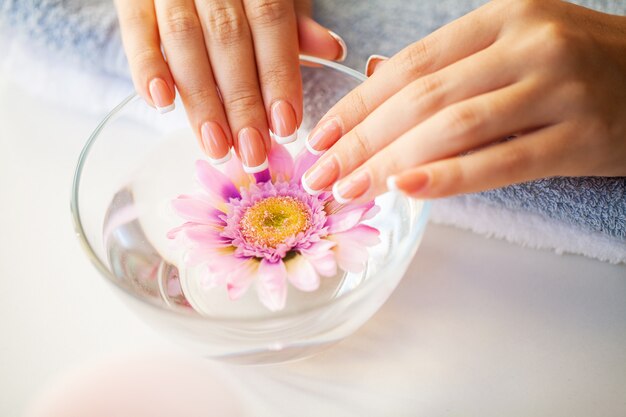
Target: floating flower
267,230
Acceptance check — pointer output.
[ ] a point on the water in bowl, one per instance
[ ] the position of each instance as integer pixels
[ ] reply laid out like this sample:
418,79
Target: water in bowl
147,263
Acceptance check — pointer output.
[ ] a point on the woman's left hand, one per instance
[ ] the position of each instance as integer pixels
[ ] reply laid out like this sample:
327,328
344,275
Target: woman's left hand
431,120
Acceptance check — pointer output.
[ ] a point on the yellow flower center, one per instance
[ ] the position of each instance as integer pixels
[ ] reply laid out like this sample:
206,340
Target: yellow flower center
272,220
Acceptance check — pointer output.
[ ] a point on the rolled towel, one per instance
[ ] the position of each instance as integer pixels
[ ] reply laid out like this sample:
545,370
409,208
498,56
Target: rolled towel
70,45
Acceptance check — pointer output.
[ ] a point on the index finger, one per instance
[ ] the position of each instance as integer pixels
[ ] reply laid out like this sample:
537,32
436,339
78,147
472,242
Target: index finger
449,44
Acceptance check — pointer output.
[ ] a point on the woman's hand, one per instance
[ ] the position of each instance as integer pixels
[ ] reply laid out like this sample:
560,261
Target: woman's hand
234,62
432,120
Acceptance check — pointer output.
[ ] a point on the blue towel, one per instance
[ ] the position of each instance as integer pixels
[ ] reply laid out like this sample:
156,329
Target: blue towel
85,33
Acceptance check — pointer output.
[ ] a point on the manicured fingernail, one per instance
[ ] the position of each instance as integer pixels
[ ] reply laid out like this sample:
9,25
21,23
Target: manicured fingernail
284,124
373,62
162,96
352,187
413,183
323,136
343,52
214,143
252,150
321,176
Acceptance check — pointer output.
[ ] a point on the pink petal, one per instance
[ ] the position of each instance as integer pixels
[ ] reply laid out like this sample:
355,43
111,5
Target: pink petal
302,163
325,265
280,162
272,284
350,253
302,274
234,170
197,211
361,235
215,182
369,214
207,236
240,278
319,248
345,219
204,255
210,280
263,176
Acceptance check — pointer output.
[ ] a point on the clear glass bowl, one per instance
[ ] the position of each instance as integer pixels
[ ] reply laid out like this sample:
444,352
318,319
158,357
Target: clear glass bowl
132,166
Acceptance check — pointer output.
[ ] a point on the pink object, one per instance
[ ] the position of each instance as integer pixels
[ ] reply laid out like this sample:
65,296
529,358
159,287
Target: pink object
268,231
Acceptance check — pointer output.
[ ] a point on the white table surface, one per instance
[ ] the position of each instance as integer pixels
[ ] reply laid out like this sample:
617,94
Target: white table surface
477,326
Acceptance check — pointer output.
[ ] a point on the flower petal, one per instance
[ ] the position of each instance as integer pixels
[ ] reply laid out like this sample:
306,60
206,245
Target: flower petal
345,219
241,277
280,162
272,284
302,274
304,160
263,176
215,182
319,248
197,211
234,170
351,251
325,265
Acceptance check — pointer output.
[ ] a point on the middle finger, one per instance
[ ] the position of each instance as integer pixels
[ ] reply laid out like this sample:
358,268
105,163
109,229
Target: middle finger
229,42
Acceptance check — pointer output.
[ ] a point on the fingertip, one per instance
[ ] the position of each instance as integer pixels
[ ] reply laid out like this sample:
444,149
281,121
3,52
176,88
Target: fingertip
314,39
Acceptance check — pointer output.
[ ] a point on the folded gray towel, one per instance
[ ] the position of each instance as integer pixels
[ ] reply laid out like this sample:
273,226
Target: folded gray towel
86,33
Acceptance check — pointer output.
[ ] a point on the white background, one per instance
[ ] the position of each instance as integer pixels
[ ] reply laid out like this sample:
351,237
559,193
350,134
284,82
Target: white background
477,326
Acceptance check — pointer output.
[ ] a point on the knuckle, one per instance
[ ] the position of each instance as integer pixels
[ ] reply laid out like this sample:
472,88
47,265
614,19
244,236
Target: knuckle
136,19
559,42
415,59
180,23
523,8
463,119
360,145
242,101
225,24
199,97
145,59
426,90
359,103
277,75
515,160
267,12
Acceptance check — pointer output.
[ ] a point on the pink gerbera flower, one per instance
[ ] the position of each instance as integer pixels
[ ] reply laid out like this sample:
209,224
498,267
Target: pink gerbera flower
265,229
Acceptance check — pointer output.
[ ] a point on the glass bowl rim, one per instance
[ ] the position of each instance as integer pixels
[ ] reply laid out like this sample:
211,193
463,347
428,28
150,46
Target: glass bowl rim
102,268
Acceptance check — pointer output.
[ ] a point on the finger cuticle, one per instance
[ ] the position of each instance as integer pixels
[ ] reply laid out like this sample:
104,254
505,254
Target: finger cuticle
252,150
321,176
324,135
284,122
161,94
214,143
354,186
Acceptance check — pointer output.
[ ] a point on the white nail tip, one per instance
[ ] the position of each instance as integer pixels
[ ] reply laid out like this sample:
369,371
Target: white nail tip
342,43
309,189
221,160
166,109
392,183
256,169
337,195
369,62
309,148
284,140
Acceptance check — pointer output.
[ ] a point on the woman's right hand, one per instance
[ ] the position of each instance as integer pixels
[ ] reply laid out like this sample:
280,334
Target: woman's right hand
234,62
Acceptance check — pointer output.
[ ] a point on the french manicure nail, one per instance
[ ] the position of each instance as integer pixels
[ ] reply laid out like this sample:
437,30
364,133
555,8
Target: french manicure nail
284,124
413,183
352,187
162,96
321,176
372,63
342,45
323,136
252,150
214,143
